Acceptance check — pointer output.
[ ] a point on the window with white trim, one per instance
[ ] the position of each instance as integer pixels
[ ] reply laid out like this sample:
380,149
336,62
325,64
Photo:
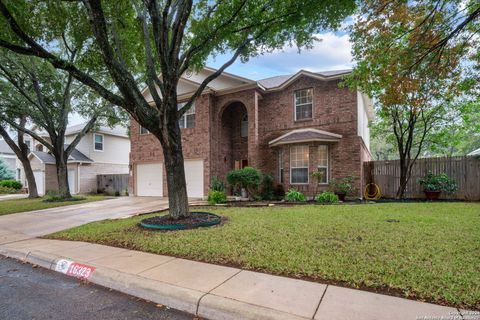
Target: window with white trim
299,156
244,127
143,131
98,142
280,165
322,159
188,118
303,104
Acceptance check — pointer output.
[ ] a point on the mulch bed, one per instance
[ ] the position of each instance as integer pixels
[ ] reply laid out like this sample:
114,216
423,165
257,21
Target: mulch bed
195,220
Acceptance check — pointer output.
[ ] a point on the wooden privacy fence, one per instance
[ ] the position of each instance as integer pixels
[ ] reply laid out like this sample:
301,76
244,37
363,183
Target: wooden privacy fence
464,170
112,183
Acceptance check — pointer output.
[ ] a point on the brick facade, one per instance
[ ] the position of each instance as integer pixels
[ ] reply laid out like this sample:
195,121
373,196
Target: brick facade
216,137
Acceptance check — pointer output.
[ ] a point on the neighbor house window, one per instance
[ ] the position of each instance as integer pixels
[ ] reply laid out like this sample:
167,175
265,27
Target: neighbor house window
98,142
299,164
28,143
323,163
143,130
244,127
303,104
280,166
188,118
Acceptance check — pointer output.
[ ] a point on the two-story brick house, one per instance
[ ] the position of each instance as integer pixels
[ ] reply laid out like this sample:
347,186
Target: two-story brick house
289,126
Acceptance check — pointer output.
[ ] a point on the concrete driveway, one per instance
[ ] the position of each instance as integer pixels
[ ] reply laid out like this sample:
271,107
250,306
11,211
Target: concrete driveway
25,225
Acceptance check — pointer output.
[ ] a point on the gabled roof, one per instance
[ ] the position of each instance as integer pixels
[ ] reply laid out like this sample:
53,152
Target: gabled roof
474,153
305,135
280,82
47,158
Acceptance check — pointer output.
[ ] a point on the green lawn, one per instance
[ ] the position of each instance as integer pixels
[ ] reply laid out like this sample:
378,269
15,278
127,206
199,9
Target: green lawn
432,254
22,205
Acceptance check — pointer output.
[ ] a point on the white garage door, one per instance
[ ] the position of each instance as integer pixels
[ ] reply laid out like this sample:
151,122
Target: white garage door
40,182
150,180
194,177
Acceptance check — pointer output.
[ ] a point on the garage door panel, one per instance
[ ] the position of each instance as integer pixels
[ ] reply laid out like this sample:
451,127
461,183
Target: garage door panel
150,180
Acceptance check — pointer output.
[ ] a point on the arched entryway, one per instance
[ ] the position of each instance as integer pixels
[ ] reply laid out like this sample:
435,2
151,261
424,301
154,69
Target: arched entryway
234,137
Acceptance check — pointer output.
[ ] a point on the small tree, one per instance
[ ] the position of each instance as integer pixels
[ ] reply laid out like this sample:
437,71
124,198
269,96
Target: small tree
5,172
19,147
410,71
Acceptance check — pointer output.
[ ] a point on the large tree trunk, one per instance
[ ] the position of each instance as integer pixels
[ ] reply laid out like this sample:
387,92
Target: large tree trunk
404,177
171,141
62,176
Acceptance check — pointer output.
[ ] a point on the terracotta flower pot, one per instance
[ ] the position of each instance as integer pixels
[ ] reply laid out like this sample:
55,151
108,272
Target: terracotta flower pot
432,195
341,195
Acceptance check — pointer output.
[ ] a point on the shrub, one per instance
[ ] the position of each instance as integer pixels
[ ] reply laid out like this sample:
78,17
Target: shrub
7,190
14,184
279,192
438,182
344,185
215,197
217,185
5,172
54,196
326,198
295,196
267,187
248,178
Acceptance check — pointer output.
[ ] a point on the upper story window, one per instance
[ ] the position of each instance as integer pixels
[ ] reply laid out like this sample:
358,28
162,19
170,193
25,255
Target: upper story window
188,118
303,104
143,130
244,127
28,143
299,156
322,159
98,142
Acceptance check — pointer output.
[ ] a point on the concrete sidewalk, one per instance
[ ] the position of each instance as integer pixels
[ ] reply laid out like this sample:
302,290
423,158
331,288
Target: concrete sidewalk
217,292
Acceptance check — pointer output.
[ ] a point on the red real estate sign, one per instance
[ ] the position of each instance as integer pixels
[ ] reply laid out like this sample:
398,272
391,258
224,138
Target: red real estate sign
74,269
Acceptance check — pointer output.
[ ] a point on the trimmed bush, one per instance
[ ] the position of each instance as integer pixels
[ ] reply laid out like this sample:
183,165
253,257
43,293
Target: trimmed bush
217,185
14,184
295,196
248,178
53,196
215,197
438,182
7,190
326,198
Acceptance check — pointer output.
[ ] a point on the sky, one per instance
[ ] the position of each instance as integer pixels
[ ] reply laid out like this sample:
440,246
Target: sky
332,52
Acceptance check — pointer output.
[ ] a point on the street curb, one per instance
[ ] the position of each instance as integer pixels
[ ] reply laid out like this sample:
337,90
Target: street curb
188,300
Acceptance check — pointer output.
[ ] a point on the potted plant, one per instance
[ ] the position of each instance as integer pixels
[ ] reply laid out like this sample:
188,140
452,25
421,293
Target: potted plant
342,187
434,184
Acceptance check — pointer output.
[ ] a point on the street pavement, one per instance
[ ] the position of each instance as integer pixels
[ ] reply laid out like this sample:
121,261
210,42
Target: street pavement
37,293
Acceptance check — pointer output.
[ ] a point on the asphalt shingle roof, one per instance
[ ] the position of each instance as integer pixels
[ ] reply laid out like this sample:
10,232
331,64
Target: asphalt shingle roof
75,156
276,81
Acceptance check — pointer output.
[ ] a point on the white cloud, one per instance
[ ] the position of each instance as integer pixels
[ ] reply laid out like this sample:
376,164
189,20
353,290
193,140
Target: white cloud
331,53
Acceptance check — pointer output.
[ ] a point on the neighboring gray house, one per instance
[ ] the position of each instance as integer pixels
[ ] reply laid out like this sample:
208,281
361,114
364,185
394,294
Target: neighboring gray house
104,151
7,154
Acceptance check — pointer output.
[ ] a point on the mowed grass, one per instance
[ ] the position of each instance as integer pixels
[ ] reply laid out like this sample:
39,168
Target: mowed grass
432,254
22,205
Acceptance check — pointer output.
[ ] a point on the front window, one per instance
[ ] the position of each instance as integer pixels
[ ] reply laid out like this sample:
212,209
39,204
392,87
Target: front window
188,118
323,163
303,104
299,156
143,130
98,142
